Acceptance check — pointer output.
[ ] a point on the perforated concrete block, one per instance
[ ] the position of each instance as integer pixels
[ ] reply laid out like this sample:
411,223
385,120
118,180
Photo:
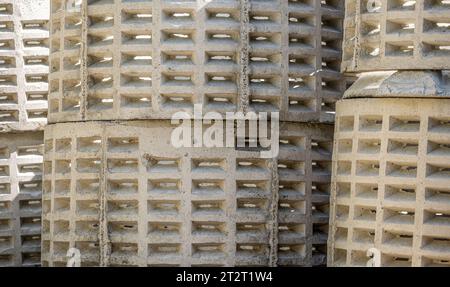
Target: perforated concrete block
390,184
148,59
23,64
20,198
123,195
396,35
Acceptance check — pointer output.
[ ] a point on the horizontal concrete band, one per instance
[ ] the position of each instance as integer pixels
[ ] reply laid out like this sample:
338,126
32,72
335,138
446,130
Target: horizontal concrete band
401,84
122,60
391,182
123,195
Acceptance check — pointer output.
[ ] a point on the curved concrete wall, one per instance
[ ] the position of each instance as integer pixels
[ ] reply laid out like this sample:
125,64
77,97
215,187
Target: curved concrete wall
390,183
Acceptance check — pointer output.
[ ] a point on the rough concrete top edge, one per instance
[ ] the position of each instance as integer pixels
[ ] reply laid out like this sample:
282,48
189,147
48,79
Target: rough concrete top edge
401,84
34,9
17,128
347,68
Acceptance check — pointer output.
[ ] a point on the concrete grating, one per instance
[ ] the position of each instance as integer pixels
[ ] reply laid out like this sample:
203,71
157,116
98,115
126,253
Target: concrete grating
20,198
124,196
396,35
23,64
122,60
23,113
390,182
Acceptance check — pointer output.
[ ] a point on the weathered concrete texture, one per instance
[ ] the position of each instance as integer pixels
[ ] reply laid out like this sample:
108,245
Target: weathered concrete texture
139,59
391,182
23,64
20,198
396,35
123,195
399,84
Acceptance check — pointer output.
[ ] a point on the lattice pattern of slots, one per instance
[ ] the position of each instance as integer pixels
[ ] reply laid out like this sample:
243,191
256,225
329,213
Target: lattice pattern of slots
390,184
396,35
20,199
23,65
148,59
304,172
185,207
